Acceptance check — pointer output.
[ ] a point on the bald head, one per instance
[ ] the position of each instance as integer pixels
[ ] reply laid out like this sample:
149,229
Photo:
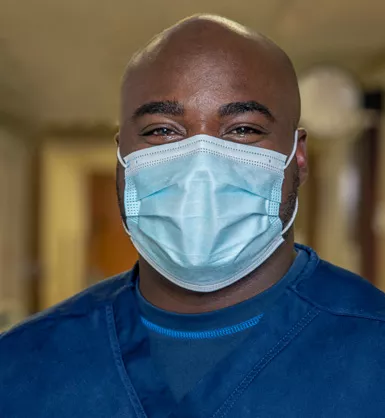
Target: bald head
215,44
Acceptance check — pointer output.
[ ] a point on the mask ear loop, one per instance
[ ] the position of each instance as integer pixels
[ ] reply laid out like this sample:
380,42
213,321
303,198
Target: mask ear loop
126,229
289,225
288,161
124,164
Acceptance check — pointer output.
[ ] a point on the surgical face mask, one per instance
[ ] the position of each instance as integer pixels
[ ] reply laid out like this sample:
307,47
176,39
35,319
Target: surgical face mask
204,212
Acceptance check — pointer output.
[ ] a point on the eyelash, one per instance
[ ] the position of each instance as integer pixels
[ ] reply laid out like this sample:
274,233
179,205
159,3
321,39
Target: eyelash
152,132
254,131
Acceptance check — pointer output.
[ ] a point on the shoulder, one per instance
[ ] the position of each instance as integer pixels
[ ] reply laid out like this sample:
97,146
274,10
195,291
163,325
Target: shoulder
78,308
339,291
57,350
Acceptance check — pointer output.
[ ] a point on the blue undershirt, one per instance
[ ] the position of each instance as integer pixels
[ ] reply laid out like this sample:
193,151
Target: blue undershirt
184,347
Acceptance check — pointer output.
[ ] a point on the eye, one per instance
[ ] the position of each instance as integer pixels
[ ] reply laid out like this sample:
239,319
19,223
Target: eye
162,131
245,130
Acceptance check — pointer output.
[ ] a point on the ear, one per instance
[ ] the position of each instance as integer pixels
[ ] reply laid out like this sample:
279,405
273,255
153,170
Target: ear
301,155
117,139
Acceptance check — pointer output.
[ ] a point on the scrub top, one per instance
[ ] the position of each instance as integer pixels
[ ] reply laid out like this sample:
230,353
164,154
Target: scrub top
186,347
315,348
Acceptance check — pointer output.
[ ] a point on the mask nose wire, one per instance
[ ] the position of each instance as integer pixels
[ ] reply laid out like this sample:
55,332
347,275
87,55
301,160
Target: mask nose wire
288,161
124,164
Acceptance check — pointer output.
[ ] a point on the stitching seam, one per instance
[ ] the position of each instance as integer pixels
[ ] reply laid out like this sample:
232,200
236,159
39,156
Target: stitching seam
132,170
200,335
152,152
119,362
265,360
341,312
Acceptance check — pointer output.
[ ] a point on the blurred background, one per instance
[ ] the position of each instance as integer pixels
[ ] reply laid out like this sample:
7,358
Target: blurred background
60,68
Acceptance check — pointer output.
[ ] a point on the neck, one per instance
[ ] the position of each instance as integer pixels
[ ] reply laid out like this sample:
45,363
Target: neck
165,295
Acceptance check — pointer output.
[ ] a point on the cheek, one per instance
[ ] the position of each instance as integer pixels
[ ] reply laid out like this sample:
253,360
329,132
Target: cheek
288,182
120,186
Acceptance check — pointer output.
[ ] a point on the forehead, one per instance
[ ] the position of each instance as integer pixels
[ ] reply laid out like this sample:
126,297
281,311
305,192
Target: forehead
207,77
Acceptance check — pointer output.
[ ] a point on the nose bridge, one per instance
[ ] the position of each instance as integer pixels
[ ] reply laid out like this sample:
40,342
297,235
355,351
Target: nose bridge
198,123
201,115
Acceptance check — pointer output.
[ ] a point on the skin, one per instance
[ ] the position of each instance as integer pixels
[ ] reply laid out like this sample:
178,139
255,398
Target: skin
203,63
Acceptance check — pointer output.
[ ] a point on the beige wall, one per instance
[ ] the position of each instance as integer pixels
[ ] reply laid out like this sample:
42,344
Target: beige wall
379,222
376,80
64,212
333,237
14,216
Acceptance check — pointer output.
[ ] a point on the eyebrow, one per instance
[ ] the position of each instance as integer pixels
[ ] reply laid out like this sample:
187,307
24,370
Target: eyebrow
167,107
174,108
237,108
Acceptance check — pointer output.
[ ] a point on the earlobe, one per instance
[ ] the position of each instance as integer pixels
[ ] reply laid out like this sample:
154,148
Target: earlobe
117,139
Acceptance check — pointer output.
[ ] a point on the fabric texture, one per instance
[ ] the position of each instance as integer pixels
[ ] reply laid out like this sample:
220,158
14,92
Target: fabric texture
186,347
317,352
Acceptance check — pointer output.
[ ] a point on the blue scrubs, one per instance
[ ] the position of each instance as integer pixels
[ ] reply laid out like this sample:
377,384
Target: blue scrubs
317,350
186,347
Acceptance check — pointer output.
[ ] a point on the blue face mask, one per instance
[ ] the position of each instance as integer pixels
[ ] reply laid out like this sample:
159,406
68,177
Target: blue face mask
204,212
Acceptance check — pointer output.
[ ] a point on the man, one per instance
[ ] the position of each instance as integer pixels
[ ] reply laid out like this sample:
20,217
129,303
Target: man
223,316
